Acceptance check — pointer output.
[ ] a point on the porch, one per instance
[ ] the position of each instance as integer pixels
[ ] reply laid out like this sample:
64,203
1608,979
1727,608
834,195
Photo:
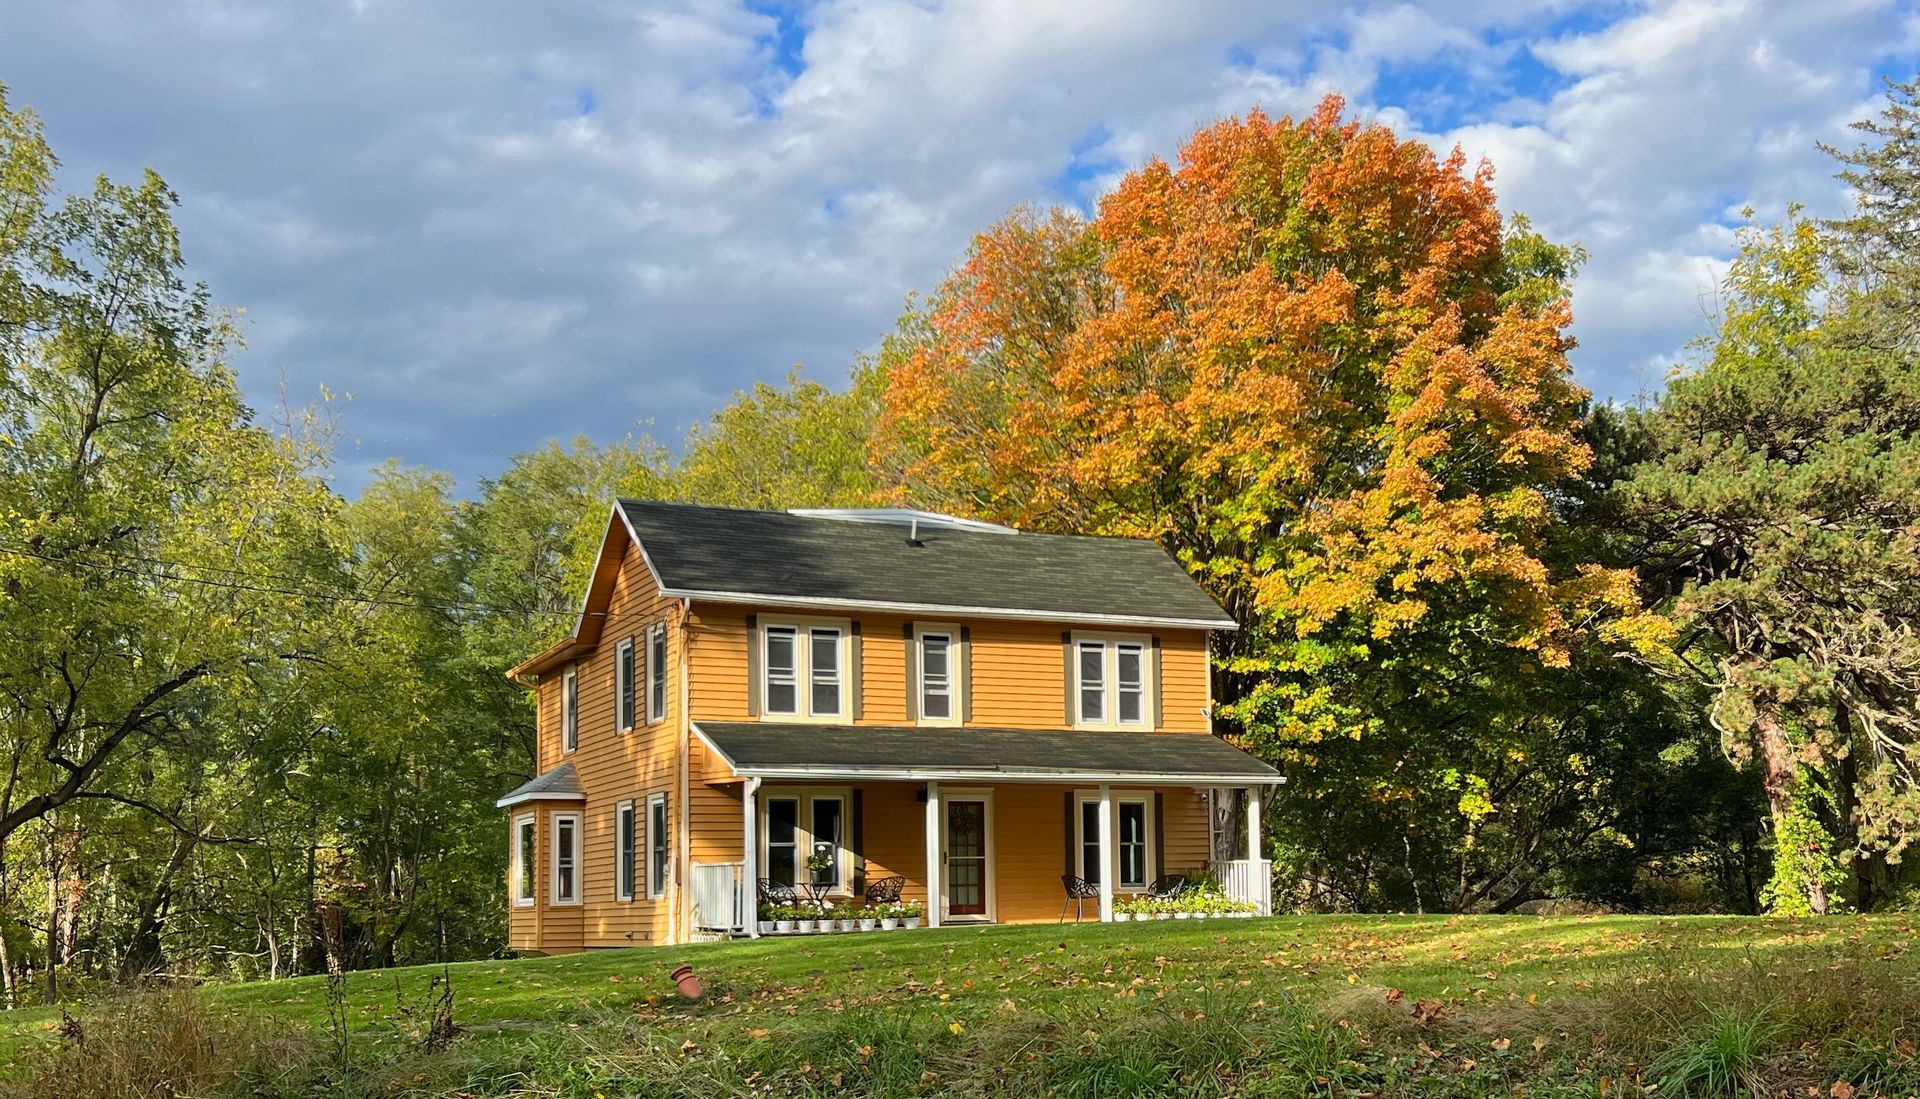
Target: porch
990,826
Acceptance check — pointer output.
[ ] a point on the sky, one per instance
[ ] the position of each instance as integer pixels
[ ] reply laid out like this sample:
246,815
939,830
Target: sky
493,222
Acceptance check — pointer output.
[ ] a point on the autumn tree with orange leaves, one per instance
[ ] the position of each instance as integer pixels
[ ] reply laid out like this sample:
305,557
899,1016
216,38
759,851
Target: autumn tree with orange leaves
1313,362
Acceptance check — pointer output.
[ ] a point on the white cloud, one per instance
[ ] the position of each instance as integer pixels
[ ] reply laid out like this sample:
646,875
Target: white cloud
498,222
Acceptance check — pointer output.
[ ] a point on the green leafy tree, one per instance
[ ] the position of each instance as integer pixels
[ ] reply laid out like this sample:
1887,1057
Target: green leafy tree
801,445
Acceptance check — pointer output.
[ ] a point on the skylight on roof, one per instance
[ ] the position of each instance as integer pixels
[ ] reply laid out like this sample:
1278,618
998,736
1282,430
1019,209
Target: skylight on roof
904,517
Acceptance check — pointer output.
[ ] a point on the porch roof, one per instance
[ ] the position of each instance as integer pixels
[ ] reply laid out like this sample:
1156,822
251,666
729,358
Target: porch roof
762,749
559,784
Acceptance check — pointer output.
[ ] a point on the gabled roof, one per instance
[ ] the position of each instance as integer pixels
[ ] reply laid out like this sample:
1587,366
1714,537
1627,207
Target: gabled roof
872,561
760,749
559,784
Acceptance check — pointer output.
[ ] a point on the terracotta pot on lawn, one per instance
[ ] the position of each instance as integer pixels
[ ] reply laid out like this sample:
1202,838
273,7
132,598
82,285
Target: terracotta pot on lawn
690,986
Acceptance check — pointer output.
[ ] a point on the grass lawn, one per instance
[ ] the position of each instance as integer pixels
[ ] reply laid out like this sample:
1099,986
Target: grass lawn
1284,1006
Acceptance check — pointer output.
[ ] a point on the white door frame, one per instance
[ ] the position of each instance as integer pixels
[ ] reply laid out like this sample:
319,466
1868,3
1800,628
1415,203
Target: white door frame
984,796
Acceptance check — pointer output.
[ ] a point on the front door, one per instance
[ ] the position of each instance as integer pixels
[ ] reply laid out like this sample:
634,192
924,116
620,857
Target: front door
966,843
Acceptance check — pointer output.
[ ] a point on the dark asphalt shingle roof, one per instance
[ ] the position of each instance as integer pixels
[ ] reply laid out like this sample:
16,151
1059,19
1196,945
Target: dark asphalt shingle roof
756,746
779,554
559,783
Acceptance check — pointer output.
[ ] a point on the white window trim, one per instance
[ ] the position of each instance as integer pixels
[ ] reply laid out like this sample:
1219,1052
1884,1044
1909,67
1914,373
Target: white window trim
803,669
1110,657
619,879
623,654
803,837
520,857
1110,860
656,671
579,870
665,877
956,702
570,710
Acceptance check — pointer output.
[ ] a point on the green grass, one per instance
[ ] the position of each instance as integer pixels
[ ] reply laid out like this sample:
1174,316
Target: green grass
1286,1006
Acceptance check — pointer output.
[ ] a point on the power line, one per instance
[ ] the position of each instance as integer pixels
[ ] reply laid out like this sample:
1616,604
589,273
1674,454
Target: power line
155,568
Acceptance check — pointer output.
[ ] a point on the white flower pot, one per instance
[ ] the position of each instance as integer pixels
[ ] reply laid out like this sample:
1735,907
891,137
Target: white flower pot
766,927
913,923
804,927
1122,917
1183,915
784,927
889,923
869,925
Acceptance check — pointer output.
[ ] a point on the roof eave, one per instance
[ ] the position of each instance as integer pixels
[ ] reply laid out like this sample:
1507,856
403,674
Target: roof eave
1023,614
536,795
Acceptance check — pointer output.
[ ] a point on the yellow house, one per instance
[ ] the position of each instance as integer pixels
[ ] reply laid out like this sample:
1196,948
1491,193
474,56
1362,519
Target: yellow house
978,717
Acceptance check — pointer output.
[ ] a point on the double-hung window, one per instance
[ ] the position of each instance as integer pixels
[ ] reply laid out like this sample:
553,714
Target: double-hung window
802,828
804,671
566,858
937,658
657,673
623,684
626,848
658,847
570,712
524,845
1110,681
1132,841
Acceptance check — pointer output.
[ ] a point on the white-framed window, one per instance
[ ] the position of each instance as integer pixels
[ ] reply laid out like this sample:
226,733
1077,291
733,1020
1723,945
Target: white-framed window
937,662
804,670
623,686
626,849
566,858
659,849
1111,674
570,711
798,824
657,673
524,845
1133,856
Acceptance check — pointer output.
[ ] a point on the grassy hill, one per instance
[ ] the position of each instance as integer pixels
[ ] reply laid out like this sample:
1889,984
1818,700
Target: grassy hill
1287,1006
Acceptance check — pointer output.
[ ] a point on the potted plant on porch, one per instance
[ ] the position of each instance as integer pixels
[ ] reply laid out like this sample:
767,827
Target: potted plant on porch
889,916
910,914
783,917
767,917
869,918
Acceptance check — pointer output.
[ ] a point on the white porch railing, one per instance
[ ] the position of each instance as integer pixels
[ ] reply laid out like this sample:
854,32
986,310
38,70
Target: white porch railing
1249,881
722,897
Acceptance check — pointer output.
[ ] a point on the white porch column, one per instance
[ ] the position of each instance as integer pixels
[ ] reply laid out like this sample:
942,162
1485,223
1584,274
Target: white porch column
1109,861
1253,822
750,852
933,854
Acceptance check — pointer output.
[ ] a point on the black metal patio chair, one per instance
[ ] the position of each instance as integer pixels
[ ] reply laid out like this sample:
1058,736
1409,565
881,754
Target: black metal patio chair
885,890
772,892
1167,887
1079,892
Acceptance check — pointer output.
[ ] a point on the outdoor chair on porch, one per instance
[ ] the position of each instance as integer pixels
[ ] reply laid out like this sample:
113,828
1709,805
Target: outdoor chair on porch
1079,892
885,890
772,892
1168,887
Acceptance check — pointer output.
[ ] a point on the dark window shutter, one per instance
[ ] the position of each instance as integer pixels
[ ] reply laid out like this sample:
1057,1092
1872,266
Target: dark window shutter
1066,675
853,672
913,673
858,828
1071,864
1159,713
1159,835
966,676
753,665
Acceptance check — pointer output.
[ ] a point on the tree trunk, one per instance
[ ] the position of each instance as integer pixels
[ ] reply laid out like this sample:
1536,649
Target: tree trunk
1783,785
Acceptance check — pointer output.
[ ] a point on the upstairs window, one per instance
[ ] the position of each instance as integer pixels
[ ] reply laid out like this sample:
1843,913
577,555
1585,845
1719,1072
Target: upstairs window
570,712
804,671
1111,677
937,688
657,673
623,683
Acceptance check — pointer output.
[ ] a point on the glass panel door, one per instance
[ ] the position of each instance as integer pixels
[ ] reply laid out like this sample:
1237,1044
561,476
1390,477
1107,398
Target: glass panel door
966,877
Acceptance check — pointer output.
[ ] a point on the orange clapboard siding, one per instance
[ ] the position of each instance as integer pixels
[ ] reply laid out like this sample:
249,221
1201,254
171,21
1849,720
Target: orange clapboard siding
1018,676
613,766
